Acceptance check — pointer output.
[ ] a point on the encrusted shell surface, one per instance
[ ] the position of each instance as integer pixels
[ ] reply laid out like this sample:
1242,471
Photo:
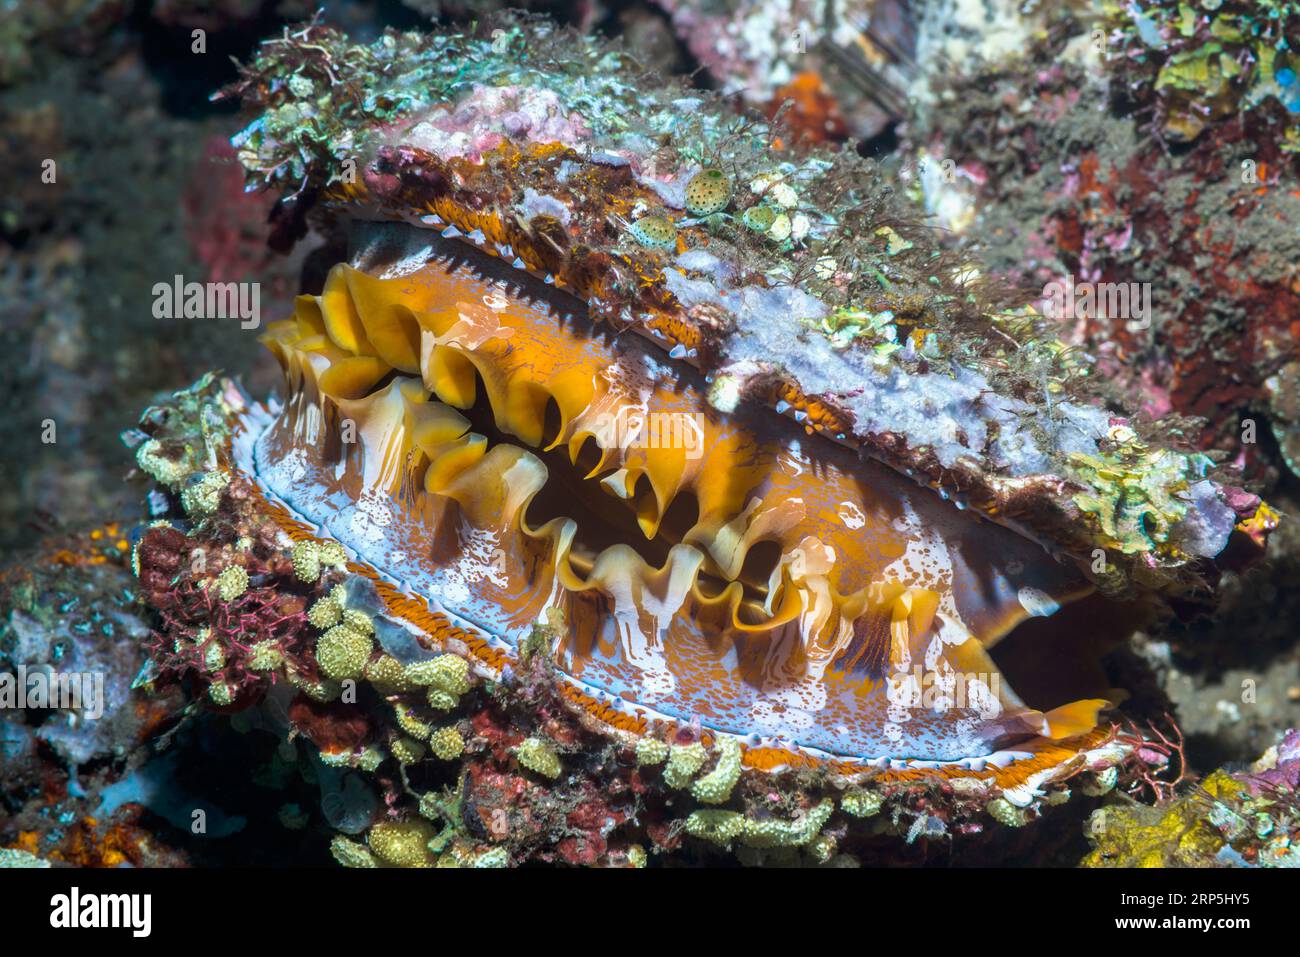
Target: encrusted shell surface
849,559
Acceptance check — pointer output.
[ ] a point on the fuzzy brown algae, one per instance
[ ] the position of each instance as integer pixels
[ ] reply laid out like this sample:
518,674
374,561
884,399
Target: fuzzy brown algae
777,469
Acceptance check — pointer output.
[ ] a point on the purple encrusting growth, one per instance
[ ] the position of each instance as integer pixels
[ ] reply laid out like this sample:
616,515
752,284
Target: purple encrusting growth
1285,770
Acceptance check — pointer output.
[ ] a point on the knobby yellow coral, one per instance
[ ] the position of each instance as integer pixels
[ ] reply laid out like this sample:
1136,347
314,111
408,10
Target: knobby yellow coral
447,743
232,582
651,751
684,760
342,652
538,756
306,561
861,803
715,787
402,844
724,827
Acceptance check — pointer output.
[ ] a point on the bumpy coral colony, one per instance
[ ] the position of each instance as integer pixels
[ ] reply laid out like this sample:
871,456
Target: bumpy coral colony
612,380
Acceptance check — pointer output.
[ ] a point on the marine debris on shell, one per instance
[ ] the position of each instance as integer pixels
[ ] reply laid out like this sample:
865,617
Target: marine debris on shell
918,447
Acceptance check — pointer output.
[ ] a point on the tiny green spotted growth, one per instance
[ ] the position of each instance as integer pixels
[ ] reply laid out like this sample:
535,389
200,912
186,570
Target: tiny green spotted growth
708,192
759,218
656,232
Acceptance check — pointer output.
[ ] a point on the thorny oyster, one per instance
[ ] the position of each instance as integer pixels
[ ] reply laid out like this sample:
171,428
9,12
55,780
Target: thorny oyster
788,480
